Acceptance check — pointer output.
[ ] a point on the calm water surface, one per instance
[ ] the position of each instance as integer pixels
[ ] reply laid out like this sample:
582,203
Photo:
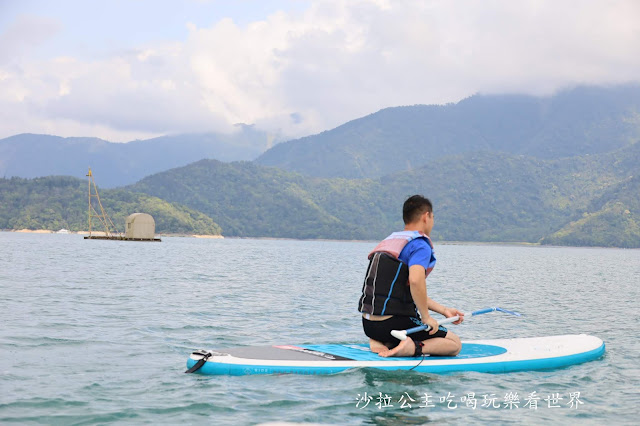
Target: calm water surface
99,332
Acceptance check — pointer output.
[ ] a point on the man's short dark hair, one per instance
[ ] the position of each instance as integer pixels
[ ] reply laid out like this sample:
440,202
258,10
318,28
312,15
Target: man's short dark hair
414,207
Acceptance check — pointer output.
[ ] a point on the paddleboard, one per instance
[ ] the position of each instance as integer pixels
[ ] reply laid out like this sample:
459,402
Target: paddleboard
487,356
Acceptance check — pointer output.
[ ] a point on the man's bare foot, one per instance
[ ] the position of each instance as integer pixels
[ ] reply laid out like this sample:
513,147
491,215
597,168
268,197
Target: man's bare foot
405,348
377,347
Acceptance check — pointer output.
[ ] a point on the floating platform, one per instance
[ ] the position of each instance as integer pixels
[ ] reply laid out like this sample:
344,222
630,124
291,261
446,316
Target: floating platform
91,237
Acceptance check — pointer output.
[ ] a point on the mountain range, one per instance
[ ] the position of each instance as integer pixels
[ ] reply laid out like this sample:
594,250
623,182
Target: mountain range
477,197
118,164
560,170
584,120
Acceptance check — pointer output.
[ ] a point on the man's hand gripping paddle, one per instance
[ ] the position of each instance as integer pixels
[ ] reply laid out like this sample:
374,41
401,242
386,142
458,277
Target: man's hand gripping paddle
402,334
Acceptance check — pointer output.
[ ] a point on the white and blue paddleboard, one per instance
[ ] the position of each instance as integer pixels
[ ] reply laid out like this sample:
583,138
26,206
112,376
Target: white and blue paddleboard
487,356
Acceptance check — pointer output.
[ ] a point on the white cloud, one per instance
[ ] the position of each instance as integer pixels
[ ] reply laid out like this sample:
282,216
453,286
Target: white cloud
25,34
304,72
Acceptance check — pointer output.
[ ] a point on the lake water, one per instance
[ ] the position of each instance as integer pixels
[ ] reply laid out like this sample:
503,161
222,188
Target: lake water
100,331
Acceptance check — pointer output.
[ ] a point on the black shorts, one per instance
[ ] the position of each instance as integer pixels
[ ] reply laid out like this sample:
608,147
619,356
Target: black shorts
381,330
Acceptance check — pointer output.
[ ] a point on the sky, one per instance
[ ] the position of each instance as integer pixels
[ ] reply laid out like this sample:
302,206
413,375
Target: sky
122,70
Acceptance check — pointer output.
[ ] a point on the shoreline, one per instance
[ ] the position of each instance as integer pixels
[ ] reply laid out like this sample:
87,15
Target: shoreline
222,237
101,233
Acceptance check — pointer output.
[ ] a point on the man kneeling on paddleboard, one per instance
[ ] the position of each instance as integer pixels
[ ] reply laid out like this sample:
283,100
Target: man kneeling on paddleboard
394,293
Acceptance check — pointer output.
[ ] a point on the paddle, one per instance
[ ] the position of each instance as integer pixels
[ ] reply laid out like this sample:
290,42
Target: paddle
402,334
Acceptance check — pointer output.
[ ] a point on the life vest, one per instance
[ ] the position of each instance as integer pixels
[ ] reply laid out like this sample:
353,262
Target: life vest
386,290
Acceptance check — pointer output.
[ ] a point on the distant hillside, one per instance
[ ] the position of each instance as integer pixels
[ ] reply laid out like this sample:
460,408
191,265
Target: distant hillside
500,197
588,200
117,164
477,197
254,201
613,219
585,120
61,202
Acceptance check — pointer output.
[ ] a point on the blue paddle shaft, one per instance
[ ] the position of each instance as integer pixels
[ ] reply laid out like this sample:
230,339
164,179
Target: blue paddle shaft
456,318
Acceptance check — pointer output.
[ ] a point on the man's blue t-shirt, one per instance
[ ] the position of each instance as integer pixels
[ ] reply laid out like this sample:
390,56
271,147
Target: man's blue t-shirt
418,252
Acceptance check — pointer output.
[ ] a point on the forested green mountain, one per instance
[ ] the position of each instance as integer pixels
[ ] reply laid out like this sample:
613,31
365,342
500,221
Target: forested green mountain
584,120
117,164
61,202
612,219
498,197
477,196
255,201
588,200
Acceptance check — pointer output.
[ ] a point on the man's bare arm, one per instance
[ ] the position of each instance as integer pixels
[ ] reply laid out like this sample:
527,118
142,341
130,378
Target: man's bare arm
418,287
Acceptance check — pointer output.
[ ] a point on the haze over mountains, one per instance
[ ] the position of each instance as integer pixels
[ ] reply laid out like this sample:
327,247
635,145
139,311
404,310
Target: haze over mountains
117,164
584,120
561,170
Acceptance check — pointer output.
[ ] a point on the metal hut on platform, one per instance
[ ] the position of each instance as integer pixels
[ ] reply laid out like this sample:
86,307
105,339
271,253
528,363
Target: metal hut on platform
140,227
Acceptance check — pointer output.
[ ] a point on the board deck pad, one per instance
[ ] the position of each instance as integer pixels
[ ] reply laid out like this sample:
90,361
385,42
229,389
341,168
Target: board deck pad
362,352
491,356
